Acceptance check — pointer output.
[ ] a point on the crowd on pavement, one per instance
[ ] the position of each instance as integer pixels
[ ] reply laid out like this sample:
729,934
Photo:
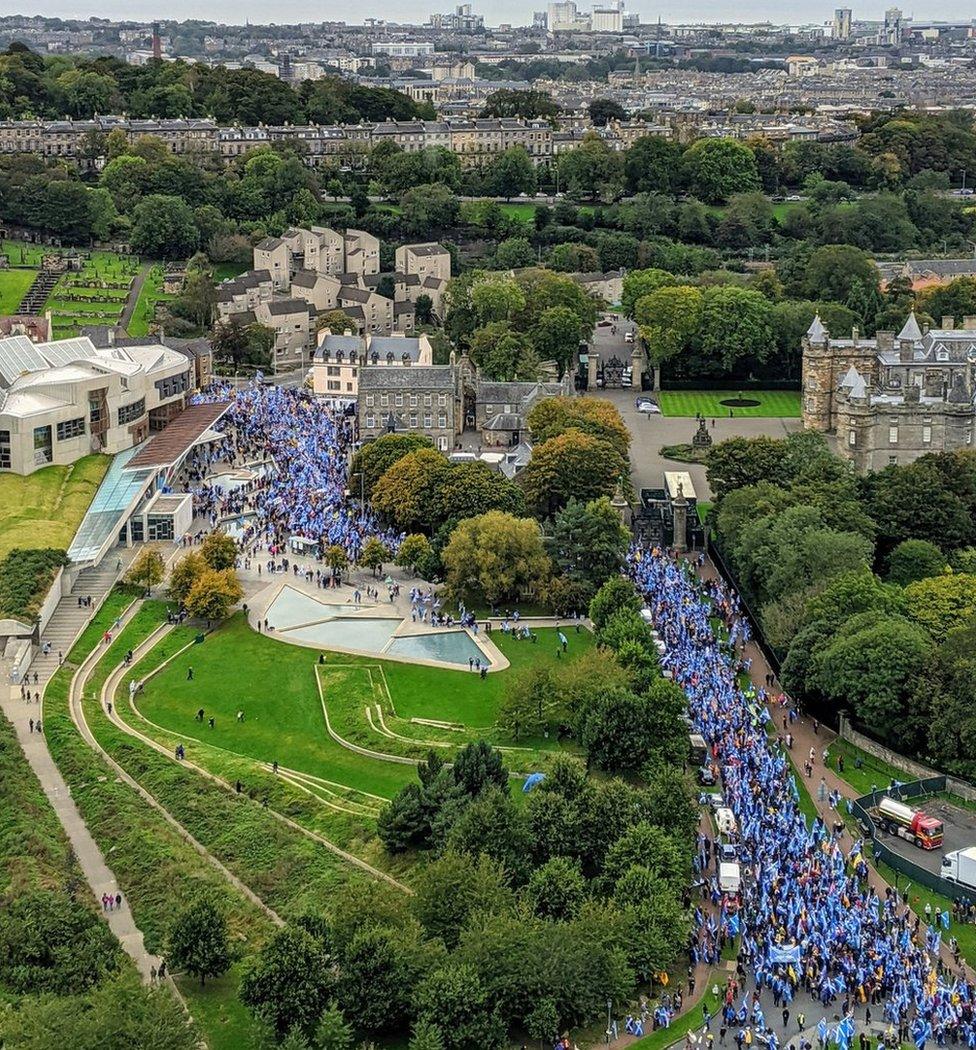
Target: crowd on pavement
809,922
303,446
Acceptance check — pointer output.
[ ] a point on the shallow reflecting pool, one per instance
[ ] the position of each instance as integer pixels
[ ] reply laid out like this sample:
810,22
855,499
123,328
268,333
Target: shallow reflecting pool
449,647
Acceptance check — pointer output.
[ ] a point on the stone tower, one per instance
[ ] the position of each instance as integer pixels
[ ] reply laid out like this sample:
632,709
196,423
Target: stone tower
818,377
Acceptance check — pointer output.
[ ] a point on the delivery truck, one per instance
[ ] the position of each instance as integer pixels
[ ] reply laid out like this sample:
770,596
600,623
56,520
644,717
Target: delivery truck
960,866
729,877
907,823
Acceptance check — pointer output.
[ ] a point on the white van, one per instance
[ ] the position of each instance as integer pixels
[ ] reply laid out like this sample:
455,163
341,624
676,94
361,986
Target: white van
729,877
725,821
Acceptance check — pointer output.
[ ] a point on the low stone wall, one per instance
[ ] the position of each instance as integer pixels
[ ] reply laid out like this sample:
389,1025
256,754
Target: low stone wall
954,785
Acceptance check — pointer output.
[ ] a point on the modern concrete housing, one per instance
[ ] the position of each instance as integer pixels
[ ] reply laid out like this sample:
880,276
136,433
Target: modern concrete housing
891,399
308,272
62,400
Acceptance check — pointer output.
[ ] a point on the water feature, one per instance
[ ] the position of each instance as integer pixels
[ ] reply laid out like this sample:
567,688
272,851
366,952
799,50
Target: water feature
365,634
448,647
293,608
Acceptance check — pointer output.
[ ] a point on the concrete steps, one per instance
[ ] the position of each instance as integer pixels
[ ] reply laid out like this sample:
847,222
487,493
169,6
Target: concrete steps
70,619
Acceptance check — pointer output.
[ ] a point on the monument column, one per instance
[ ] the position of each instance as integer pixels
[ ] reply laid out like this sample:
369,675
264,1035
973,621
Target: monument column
680,510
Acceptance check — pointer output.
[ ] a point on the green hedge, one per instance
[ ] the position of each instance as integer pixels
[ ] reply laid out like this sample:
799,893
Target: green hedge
25,577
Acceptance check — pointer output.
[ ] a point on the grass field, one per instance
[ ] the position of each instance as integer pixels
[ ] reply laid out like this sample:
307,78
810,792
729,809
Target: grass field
283,710
45,508
708,403
151,294
525,210
13,288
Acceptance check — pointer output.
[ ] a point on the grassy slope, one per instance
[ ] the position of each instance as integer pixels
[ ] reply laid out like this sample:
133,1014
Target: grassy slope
13,288
34,851
773,403
283,717
45,508
157,870
151,293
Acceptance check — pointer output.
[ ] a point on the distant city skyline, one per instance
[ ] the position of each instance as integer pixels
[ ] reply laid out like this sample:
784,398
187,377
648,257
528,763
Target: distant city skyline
516,12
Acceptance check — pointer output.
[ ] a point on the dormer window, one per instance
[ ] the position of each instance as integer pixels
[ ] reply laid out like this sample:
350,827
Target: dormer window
942,354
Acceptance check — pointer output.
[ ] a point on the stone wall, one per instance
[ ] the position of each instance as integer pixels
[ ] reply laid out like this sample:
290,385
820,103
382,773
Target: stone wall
917,770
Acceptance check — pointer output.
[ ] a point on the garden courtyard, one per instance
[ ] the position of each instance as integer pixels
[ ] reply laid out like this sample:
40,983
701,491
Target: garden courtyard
726,404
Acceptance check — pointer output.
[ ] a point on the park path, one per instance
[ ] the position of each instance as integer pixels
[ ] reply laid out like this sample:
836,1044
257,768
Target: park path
108,690
133,297
107,693
65,627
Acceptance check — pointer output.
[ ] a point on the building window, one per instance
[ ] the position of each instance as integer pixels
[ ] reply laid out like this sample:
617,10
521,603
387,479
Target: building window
399,400
71,428
159,527
42,445
369,400
442,399
95,411
5,457
332,371
370,421
413,400
128,413
892,435
442,420
892,461
413,420
926,435
428,420
334,384
171,386
385,400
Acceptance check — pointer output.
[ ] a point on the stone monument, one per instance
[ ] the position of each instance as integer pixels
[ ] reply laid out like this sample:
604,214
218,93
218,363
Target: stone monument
680,510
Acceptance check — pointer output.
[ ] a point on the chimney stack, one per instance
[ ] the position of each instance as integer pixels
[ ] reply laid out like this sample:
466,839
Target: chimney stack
157,43
948,322
969,322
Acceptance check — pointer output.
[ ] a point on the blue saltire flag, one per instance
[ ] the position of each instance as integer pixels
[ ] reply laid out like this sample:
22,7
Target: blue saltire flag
532,780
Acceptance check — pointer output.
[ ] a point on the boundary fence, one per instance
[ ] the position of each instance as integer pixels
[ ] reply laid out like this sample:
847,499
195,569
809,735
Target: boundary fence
861,808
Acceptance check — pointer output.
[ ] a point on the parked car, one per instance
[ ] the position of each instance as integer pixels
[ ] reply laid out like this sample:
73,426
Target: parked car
645,404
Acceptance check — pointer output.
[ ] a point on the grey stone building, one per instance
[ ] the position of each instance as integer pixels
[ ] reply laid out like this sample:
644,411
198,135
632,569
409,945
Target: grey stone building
891,399
411,399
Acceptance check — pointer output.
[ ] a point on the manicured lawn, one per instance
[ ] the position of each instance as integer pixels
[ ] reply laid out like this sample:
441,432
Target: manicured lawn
274,684
13,288
45,508
702,507
772,403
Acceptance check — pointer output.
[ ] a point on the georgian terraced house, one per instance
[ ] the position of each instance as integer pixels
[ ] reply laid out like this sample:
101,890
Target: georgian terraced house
475,142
